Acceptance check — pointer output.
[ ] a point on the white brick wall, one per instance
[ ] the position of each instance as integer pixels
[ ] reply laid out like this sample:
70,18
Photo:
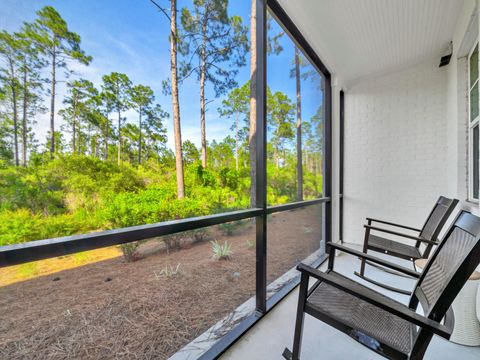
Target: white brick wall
395,147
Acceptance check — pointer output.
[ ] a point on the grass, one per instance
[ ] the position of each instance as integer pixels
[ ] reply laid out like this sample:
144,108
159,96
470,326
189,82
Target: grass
27,270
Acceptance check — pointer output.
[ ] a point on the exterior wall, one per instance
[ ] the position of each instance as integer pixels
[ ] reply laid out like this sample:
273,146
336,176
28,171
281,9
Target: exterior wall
395,147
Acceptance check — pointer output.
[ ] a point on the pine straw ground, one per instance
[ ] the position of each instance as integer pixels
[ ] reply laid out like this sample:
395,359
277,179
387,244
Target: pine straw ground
117,310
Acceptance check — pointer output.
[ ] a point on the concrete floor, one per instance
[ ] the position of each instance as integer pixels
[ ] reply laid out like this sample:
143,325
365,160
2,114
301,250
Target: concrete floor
267,339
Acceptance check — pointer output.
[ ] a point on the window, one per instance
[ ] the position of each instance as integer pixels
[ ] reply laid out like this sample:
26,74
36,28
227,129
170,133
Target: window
473,124
296,153
295,121
168,225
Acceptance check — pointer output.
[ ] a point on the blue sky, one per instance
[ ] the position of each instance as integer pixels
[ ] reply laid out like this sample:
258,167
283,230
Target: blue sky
132,37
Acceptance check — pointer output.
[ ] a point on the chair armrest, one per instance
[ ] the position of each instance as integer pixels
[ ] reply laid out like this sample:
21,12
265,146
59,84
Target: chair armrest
374,259
393,224
380,301
416,238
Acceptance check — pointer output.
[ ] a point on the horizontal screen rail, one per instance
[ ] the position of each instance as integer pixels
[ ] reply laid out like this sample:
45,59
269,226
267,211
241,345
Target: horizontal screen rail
296,205
49,248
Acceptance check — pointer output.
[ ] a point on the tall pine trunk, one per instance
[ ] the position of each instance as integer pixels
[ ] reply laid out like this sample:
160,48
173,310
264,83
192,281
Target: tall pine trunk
13,87
140,135
24,117
203,70
276,156
74,127
52,103
299,127
119,158
175,103
253,105
236,141
106,139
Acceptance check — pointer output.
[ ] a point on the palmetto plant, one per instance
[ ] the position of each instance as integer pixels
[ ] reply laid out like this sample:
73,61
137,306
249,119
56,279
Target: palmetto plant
221,252
168,271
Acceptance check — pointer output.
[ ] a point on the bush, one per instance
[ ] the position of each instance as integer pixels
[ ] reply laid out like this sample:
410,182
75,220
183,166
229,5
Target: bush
173,241
151,205
229,178
21,226
31,188
130,251
199,235
229,228
74,194
18,226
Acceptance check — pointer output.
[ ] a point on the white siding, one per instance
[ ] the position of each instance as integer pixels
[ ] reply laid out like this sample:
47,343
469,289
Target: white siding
395,147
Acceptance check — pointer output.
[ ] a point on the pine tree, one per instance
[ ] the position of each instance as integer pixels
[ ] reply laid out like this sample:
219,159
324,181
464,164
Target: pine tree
220,45
236,105
6,153
105,103
173,89
59,45
31,83
281,119
9,72
190,152
80,97
302,70
141,97
155,130
117,87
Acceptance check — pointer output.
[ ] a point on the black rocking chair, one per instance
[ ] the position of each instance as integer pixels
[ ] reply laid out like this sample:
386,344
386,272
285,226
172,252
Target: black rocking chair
383,325
427,238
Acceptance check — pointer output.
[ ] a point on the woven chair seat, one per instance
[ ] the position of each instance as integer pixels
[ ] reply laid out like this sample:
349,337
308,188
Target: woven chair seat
368,322
392,246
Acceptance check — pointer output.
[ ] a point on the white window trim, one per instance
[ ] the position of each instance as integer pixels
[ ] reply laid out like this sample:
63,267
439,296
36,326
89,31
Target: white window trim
472,124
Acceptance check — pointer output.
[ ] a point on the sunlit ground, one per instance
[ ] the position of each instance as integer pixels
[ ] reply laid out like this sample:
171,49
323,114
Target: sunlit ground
17,273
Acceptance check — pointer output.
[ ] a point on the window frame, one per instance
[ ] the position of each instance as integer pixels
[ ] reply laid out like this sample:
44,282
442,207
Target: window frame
472,124
341,159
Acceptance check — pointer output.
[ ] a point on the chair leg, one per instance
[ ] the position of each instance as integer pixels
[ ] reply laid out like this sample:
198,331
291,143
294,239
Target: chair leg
297,338
365,249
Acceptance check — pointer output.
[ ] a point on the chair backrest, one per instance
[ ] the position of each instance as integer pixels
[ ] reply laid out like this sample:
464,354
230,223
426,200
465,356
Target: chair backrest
448,269
435,222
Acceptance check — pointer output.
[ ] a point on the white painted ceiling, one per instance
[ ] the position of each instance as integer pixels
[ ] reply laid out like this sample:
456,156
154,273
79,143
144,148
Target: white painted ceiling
359,38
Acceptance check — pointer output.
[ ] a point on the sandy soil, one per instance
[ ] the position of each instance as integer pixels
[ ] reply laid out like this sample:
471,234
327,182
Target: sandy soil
112,309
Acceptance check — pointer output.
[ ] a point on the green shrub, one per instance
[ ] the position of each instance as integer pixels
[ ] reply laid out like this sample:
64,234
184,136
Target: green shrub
199,235
18,226
75,194
21,226
205,177
173,241
130,251
229,178
229,228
